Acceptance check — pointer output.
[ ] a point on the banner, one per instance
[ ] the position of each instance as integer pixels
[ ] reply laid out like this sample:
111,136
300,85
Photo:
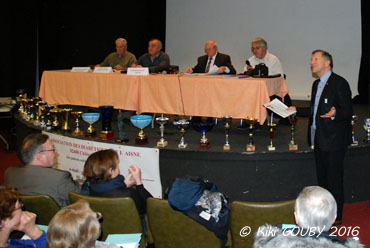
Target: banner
73,152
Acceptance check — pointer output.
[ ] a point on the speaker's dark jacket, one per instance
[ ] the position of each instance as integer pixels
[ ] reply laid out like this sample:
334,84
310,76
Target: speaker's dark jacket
221,60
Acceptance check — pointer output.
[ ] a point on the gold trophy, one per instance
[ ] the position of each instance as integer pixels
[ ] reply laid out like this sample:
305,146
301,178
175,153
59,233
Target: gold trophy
293,122
55,113
182,125
77,116
162,121
227,125
251,122
90,118
65,116
272,126
367,129
353,121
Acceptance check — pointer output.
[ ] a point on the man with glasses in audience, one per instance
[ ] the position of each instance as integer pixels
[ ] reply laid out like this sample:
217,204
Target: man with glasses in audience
37,175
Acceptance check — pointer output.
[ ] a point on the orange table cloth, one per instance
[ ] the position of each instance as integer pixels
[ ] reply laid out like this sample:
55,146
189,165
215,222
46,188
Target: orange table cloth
201,95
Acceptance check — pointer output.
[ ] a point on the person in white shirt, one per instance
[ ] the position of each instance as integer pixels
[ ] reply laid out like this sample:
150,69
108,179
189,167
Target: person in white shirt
261,55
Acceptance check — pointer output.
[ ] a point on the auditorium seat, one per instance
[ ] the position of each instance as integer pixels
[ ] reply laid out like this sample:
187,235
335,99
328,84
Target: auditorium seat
44,206
119,214
171,228
255,214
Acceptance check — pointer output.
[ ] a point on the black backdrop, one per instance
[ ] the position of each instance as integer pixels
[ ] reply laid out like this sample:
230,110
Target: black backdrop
71,33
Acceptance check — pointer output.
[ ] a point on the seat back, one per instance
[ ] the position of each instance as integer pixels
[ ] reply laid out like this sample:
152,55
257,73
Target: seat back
44,206
171,228
119,213
254,214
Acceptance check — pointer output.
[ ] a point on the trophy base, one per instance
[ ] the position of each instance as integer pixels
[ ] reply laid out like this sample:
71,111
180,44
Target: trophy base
271,148
106,135
139,141
90,135
55,128
293,147
251,148
354,143
182,145
204,145
77,133
66,130
162,143
226,147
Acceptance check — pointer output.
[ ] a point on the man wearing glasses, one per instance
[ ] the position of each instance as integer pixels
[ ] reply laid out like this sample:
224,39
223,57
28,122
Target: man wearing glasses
37,175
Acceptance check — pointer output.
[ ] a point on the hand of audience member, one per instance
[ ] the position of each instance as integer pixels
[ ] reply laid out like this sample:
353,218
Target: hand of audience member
28,226
129,180
136,173
189,70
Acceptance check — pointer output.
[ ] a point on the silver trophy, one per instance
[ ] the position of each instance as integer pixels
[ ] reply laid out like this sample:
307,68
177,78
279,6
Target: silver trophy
353,121
162,121
182,125
227,125
367,129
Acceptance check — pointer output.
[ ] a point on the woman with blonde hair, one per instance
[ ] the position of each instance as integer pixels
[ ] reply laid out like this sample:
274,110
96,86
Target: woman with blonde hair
74,226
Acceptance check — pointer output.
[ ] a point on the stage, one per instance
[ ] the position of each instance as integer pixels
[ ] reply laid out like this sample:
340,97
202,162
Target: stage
259,176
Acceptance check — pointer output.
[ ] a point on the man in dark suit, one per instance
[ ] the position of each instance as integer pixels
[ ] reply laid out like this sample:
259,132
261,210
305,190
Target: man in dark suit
329,129
38,176
213,57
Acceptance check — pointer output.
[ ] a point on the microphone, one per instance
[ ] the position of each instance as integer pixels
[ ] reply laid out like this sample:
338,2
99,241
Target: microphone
248,63
249,71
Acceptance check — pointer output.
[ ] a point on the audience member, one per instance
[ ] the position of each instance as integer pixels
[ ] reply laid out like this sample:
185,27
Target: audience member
121,59
213,57
156,60
74,226
13,218
315,211
37,175
103,179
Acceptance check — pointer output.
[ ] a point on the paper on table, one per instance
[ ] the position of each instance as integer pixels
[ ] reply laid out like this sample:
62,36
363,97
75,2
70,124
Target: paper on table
213,69
279,108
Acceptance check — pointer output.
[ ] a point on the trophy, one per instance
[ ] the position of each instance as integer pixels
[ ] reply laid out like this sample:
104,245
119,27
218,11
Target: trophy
162,121
272,126
42,111
227,125
203,126
353,121
251,122
90,118
182,125
293,122
367,129
106,112
49,124
77,116
141,121
54,113
65,116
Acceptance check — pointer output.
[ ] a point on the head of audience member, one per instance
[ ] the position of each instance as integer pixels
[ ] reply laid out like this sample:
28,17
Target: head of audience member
154,47
211,48
10,208
121,46
321,62
74,226
38,149
315,207
102,166
259,48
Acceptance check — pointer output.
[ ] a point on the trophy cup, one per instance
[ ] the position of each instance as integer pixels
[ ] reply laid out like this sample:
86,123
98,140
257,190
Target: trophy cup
272,126
293,122
251,122
42,111
227,125
203,126
141,121
54,113
182,125
162,121
49,124
77,116
106,112
90,118
65,116
367,129
353,121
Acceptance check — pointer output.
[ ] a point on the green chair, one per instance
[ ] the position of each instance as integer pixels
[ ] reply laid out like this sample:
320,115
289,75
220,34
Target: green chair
255,214
171,228
44,206
119,214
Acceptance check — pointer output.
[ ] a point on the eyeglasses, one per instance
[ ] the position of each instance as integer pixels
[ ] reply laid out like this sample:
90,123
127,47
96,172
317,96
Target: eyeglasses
20,206
98,215
50,150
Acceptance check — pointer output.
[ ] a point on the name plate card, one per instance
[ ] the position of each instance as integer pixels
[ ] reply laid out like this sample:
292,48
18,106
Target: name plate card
143,71
103,69
81,69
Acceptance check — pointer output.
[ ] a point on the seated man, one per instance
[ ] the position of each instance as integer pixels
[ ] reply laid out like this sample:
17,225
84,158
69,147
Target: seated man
315,213
37,176
121,59
261,55
155,59
213,57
